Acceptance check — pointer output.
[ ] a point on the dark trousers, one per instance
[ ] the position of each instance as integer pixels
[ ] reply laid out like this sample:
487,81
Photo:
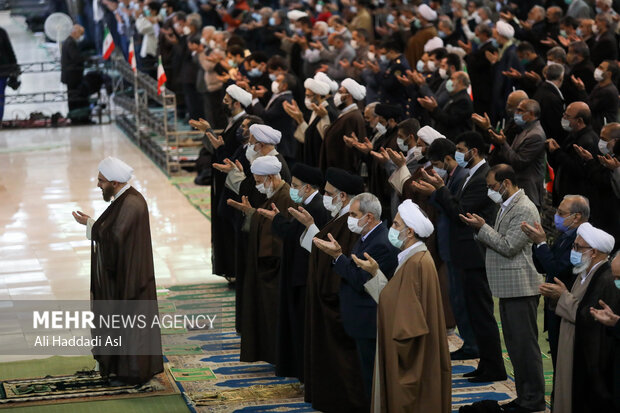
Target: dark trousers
553,321
459,309
520,330
479,304
214,112
3,80
366,349
193,101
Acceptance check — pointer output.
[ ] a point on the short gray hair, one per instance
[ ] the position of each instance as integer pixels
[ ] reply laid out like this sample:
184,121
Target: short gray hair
369,203
580,204
554,72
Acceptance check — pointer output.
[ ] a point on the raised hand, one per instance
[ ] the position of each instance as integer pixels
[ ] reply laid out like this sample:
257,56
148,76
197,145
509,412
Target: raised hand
552,145
369,264
473,220
483,122
269,213
243,206
423,187
200,124
321,111
301,215
225,167
433,178
534,232
552,290
382,156
578,82
331,247
606,316
80,217
492,57
428,102
497,138
293,111
397,157
583,153
215,142
609,162
364,147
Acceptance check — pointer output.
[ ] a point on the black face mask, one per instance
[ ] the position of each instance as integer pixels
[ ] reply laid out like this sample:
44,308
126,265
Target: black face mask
227,110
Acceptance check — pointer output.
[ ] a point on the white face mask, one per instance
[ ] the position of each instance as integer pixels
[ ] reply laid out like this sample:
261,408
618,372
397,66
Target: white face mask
401,145
187,31
328,203
251,154
371,56
308,103
261,188
354,44
441,172
430,65
602,147
212,44
353,224
380,129
599,75
566,125
443,73
275,87
337,99
495,196
417,153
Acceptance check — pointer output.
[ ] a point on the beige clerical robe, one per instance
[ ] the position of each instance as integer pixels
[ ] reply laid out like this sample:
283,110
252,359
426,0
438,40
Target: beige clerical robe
566,308
413,373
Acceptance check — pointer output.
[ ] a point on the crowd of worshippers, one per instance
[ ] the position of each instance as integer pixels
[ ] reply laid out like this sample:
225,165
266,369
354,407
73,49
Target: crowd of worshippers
378,173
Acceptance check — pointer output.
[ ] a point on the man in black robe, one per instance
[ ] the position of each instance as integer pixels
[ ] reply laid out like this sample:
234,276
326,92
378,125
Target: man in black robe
122,269
304,192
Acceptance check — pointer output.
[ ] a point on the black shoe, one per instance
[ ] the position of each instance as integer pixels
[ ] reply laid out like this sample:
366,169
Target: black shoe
487,378
513,407
116,383
474,373
461,354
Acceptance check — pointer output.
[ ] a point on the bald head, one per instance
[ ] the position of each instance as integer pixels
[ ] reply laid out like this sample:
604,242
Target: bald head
578,115
514,99
77,31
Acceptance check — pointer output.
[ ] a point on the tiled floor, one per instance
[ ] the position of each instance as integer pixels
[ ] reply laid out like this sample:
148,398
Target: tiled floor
47,173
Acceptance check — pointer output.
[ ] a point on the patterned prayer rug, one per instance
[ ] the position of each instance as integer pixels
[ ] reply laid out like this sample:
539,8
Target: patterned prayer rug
198,196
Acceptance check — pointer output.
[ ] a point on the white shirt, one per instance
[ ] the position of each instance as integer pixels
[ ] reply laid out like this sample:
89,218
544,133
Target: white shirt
403,254
507,202
309,199
584,276
306,237
473,170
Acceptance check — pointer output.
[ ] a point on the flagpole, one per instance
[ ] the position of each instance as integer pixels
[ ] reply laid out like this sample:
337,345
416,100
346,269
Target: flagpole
137,105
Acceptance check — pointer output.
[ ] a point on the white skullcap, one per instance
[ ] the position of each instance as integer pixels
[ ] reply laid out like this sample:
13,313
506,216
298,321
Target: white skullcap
266,165
432,44
240,95
428,134
322,77
113,169
296,14
265,134
355,89
316,86
596,238
413,217
427,13
504,29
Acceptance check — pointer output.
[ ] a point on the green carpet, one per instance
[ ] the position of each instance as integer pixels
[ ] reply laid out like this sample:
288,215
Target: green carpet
53,366
198,196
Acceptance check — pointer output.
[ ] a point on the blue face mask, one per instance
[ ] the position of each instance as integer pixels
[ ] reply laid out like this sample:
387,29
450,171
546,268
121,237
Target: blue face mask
383,58
617,282
494,43
255,72
272,21
519,119
559,223
575,257
579,32
272,77
393,235
450,86
390,18
420,66
441,34
459,157
294,193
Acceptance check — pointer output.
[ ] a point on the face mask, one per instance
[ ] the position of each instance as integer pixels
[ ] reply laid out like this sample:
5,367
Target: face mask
579,32
299,32
441,172
330,30
559,223
204,42
431,66
261,188
450,86
187,31
495,196
524,62
275,87
163,13
617,282
272,21
147,12
476,40
443,73
580,263
308,103
319,8
371,55
380,129
255,72
354,44
495,43
291,27
328,203
518,117
599,75
602,147
417,23
212,44
563,33
393,237
401,145
594,29
441,34
250,153
81,38
338,99
383,58
232,63
419,66
353,9
272,77
295,197
566,125
353,224
257,17
459,157
390,18
477,17
417,153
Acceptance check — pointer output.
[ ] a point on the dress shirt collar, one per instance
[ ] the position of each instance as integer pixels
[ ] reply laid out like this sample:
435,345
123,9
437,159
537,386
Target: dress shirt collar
119,193
509,200
474,168
348,109
344,210
403,254
310,197
369,232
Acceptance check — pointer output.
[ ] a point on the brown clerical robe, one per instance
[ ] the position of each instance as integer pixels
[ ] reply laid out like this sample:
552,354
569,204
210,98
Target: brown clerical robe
413,373
334,152
122,269
261,286
332,372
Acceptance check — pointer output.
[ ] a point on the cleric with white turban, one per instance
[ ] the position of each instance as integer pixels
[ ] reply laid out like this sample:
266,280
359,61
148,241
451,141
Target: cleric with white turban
505,30
266,165
414,218
317,87
115,170
357,91
596,238
322,77
428,135
240,95
265,134
432,44
427,13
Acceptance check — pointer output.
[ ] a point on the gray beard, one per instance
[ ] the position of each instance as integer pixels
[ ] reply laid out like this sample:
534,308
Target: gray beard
578,269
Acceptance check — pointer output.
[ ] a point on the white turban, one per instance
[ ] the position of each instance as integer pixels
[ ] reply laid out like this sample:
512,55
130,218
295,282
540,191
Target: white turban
316,86
322,77
427,13
265,134
296,14
240,95
428,135
413,217
266,165
113,169
596,238
504,29
355,89
432,44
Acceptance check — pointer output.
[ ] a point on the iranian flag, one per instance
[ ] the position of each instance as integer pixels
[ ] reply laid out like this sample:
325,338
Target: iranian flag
132,56
108,44
161,77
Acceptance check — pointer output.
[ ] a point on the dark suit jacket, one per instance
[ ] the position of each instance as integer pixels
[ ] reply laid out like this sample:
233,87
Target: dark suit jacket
554,261
358,309
480,72
71,63
502,85
583,70
551,110
605,48
274,115
465,252
455,117
603,103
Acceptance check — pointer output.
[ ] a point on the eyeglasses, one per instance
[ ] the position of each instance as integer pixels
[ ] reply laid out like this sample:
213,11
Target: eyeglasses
577,247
